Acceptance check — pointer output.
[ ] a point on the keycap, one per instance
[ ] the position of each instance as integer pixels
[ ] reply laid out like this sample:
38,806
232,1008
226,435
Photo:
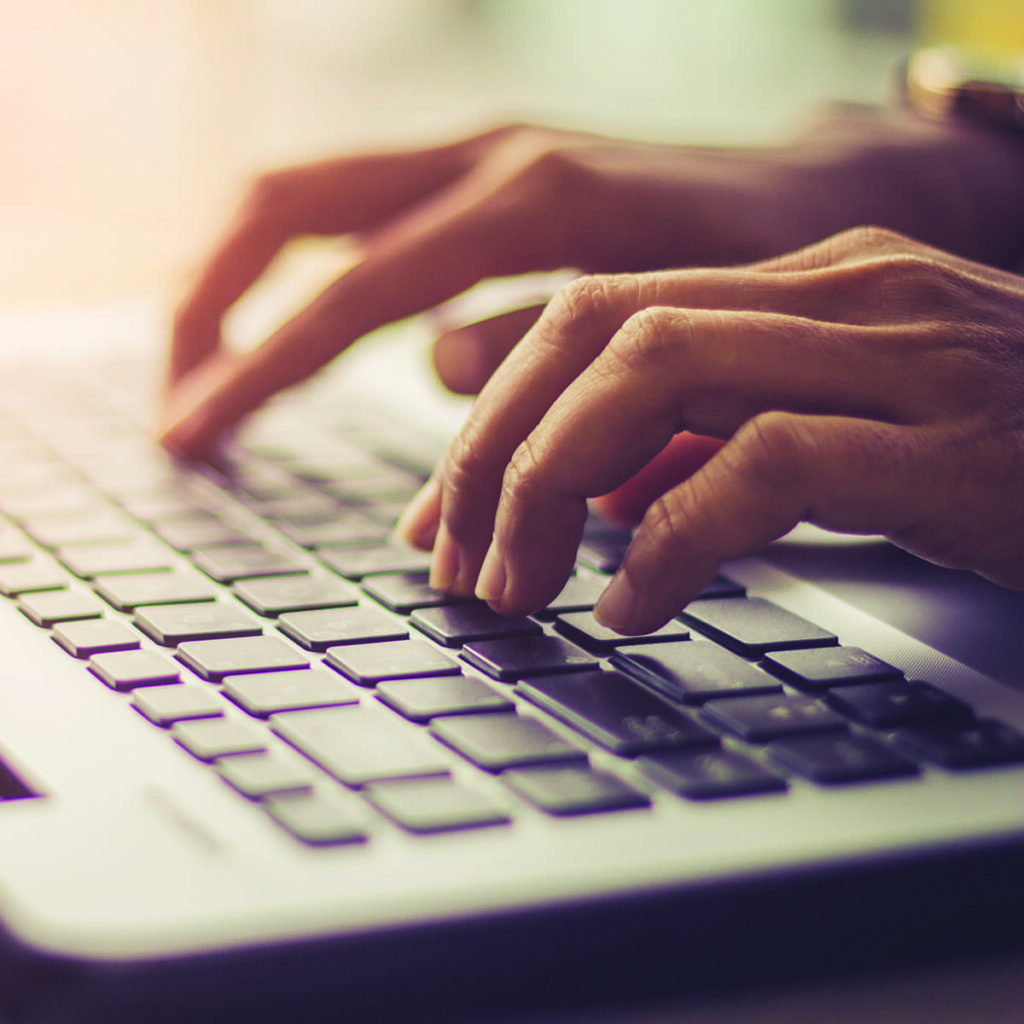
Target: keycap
305,506
124,670
172,624
36,574
406,591
839,758
527,656
504,740
189,534
13,547
341,529
693,671
368,664
965,744
455,625
241,561
616,712
357,746
573,789
214,659
164,705
580,593
584,629
424,699
261,775
721,586
330,627
603,554
357,563
710,774
752,626
265,693
97,528
896,702
818,668
49,607
157,507
758,719
83,638
93,560
317,819
126,593
279,594
210,738
435,805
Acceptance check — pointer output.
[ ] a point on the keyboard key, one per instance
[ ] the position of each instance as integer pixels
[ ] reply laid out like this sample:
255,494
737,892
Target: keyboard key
424,699
356,563
405,592
124,670
50,607
189,534
526,656
241,562
266,693
214,659
97,528
584,629
357,746
838,758
29,577
897,702
340,530
165,705
455,625
13,547
573,789
603,553
752,626
261,775
435,805
721,586
329,627
694,671
93,560
965,744
818,668
616,712
317,819
710,774
758,719
368,664
580,593
210,738
85,637
172,624
126,593
279,594
504,740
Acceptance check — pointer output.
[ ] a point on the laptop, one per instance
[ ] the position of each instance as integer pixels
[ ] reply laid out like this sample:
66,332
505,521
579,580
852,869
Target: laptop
252,767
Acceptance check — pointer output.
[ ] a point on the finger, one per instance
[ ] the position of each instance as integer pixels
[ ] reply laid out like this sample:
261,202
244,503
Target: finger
465,357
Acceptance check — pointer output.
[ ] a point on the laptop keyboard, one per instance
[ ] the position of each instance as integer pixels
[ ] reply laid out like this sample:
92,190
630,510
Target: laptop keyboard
260,617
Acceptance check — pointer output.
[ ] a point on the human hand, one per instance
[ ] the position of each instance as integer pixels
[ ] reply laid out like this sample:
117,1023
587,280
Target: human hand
867,384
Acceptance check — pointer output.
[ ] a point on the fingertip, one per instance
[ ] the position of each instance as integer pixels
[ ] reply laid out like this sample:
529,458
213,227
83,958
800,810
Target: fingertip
419,523
459,361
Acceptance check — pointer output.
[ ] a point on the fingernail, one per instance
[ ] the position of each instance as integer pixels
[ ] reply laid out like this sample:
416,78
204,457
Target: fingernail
617,605
444,566
490,584
418,524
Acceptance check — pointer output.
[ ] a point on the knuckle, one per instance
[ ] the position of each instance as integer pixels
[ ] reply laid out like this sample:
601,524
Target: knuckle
525,473
774,448
269,197
871,238
653,337
669,520
587,299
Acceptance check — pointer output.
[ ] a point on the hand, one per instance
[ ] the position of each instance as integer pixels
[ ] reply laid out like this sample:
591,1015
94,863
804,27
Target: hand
432,222
867,384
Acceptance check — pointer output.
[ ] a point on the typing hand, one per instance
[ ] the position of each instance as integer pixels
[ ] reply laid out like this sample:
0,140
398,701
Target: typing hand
867,384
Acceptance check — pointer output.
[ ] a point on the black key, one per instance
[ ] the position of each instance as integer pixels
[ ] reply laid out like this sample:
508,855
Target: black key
242,562
752,626
435,805
897,702
264,774
214,659
405,592
356,563
965,744
710,774
280,594
424,699
580,593
759,719
165,705
818,668
124,670
265,693
574,789
126,593
30,577
693,671
368,664
585,630
721,586
210,738
838,758
86,637
527,656
172,624
316,819
340,530
616,712
50,607
329,627
356,746
455,625
603,553
504,740
94,560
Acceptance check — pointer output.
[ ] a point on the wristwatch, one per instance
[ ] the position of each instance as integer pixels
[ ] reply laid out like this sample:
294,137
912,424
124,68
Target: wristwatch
945,83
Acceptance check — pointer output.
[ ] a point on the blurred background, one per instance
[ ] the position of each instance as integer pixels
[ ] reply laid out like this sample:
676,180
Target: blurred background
129,128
